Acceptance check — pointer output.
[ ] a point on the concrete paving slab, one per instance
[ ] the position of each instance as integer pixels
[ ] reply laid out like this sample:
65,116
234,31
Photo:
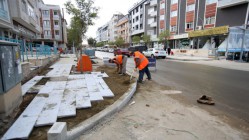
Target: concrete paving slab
68,104
30,84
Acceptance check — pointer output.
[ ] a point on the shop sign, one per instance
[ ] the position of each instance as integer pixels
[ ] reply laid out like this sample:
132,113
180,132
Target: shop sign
180,36
208,32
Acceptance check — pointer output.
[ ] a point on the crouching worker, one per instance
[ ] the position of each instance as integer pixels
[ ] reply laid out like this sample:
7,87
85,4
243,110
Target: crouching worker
121,61
141,63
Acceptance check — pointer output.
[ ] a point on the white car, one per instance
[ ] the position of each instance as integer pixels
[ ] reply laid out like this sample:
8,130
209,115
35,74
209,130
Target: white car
155,53
111,50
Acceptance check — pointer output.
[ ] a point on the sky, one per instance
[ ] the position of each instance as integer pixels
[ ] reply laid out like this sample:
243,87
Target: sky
107,9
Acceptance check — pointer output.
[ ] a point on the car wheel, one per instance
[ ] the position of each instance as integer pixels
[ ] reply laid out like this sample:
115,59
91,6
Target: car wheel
152,56
164,57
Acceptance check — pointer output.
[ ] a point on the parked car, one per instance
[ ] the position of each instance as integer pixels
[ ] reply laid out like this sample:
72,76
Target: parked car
122,51
111,50
137,48
155,53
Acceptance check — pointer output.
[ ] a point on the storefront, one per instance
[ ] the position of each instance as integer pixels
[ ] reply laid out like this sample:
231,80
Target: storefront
179,41
209,38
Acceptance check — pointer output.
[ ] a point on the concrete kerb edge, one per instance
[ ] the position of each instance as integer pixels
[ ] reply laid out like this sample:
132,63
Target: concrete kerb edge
189,59
96,119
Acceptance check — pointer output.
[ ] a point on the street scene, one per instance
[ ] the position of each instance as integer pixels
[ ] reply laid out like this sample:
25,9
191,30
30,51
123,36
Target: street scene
124,69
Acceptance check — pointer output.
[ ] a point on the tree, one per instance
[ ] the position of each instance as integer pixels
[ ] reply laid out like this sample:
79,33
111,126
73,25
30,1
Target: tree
74,33
164,37
91,41
146,39
111,43
100,44
119,41
135,39
83,16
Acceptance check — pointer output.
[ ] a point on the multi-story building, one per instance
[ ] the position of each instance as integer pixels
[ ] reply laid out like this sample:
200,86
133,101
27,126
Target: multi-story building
5,20
103,33
53,26
137,19
112,28
123,28
25,19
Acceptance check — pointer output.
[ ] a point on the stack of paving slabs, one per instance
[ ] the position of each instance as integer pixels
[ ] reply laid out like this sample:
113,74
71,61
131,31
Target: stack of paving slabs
57,99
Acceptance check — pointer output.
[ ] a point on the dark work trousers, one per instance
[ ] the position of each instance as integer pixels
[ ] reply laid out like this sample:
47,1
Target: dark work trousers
141,73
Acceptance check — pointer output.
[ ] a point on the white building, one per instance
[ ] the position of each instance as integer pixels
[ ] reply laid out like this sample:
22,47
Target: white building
112,28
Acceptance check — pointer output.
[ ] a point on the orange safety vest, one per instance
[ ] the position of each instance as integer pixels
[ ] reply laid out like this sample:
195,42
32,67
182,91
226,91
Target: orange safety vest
143,60
119,59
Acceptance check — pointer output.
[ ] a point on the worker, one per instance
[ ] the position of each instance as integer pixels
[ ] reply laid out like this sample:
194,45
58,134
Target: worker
121,61
141,63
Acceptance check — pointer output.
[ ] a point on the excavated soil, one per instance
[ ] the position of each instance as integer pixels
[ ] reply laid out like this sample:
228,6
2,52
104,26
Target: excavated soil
118,84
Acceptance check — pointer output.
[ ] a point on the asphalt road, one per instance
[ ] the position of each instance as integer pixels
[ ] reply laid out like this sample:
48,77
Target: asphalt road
229,88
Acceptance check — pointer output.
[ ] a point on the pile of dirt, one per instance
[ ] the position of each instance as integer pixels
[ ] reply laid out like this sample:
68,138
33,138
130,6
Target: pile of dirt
115,82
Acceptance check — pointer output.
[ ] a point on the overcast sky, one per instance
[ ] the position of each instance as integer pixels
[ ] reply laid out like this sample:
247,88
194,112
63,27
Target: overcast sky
107,9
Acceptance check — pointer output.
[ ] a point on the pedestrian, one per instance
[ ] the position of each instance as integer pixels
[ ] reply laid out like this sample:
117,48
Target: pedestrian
141,63
169,50
121,61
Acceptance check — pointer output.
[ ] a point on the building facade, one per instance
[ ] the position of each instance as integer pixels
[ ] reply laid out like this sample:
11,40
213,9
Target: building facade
103,33
123,29
112,27
137,19
5,19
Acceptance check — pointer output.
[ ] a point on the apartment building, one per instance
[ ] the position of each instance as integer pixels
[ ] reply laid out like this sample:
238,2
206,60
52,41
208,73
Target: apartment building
103,33
137,19
53,26
5,20
112,28
123,28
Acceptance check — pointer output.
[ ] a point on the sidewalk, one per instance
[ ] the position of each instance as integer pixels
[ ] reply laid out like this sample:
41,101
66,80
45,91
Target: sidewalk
222,63
154,113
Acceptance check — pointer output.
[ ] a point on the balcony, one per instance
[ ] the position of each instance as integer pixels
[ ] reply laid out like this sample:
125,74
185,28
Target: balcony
56,26
153,24
47,36
57,37
4,14
153,3
32,21
229,3
56,17
153,14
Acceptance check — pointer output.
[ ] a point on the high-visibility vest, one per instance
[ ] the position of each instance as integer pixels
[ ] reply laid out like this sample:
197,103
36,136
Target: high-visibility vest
119,59
143,60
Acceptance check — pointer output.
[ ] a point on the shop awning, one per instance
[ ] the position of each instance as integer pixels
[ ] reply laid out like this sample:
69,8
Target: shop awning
209,32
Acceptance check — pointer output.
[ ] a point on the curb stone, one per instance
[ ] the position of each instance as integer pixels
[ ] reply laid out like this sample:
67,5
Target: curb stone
97,118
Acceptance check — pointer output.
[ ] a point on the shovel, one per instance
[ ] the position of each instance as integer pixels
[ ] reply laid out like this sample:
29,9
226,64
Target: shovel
132,75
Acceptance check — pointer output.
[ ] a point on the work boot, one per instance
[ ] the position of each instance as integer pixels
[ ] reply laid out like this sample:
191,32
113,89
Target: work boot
140,82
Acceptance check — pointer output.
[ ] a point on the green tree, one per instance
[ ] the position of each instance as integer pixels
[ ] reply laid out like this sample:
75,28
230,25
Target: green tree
83,16
135,39
91,41
111,43
119,41
74,33
100,44
146,39
164,37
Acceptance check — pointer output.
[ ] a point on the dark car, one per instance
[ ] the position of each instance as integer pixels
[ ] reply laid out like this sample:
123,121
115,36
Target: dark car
137,48
122,52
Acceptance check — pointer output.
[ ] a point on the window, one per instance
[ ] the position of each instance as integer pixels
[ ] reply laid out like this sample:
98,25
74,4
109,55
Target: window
46,23
189,25
141,16
173,14
57,32
56,22
2,5
173,28
191,7
31,12
47,33
56,13
174,1
141,26
162,5
141,6
45,12
133,20
161,17
24,7
210,1
137,18
210,20
136,27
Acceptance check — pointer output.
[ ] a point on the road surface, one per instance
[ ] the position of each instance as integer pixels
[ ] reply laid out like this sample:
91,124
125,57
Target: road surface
229,88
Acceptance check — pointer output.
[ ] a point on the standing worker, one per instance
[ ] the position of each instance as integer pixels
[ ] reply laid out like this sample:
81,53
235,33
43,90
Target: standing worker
121,61
141,63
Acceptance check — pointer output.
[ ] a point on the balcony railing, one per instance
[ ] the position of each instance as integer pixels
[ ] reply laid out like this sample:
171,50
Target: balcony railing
47,36
4,14
153,14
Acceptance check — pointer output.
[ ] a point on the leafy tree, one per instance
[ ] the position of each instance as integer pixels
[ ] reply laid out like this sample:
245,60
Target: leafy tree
100,44
91,41
83,16
74,33
146,39
164,37
135,39
119,41
111,43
